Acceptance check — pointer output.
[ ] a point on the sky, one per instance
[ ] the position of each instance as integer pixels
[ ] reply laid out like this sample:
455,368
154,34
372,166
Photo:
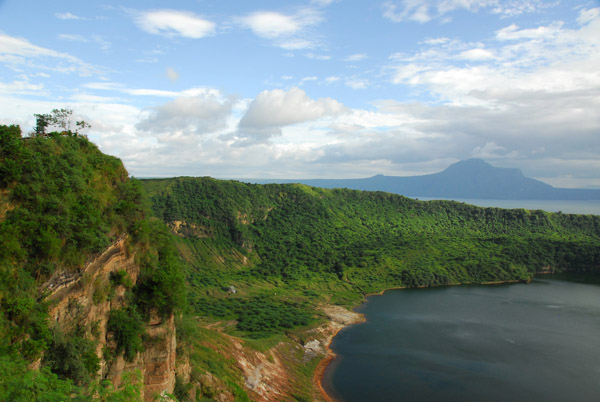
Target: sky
314,88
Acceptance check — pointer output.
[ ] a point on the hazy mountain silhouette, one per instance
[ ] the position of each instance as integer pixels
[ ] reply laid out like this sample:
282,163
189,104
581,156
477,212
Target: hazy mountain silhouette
471,178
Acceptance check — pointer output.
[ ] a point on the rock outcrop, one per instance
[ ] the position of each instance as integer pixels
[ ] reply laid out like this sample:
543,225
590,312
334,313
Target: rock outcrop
83,300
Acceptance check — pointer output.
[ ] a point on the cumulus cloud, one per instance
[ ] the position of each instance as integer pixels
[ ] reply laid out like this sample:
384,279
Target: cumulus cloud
187,117
172,23
546,59
272,110
288,31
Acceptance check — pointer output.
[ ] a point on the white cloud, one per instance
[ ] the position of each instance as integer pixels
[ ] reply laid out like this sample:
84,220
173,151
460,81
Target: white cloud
318,56
103,43
188,116
307,79
357,83
423,11
548,59
22,47
436,41
289,32
20,87
491,150
587,16
476,54
512,32
272,110
322,3
67,16
171,23
270,25
356,57
113,86
19,53
72,37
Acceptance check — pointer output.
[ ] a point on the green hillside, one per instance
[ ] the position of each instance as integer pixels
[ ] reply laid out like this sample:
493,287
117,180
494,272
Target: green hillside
342,244
241,269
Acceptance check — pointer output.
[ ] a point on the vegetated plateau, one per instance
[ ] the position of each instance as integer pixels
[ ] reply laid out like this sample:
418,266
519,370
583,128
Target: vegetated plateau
204,289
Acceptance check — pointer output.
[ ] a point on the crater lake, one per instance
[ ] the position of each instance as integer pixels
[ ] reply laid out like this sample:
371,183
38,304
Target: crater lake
513,342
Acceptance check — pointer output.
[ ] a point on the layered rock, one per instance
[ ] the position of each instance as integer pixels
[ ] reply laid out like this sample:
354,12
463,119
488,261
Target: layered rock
83,300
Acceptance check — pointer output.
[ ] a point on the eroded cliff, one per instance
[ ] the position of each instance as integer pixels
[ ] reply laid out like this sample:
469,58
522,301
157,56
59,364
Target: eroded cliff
83,301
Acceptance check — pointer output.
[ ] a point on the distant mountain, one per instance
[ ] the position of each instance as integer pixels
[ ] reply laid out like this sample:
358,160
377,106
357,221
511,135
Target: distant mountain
471,178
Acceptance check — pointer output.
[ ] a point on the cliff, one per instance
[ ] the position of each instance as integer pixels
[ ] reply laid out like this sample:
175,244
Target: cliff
81,301
89,285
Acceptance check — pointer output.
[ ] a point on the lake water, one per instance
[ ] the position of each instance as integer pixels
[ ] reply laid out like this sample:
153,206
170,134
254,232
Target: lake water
518,342
566,206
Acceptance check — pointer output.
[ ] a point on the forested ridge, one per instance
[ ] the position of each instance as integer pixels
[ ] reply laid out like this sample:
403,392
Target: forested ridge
373,239
233,262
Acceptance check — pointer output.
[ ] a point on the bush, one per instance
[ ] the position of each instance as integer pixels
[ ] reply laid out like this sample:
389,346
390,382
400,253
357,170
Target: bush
72,357
127,328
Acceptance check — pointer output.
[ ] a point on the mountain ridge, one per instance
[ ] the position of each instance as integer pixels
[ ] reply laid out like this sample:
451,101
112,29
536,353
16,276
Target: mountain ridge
471,178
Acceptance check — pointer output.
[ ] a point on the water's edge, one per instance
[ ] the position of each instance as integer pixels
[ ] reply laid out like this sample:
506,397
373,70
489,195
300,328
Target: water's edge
331,357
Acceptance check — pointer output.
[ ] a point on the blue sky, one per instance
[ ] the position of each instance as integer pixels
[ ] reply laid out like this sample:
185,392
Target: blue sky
321,88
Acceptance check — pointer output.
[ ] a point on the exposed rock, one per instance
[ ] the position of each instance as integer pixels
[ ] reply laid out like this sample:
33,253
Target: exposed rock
312,349
158,359
85,298
339,317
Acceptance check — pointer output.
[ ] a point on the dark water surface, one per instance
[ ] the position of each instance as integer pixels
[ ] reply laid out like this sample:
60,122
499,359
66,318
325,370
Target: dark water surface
519,342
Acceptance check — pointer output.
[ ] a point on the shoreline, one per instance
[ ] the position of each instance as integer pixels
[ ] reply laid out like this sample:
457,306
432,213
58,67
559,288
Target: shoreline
339,318
337,324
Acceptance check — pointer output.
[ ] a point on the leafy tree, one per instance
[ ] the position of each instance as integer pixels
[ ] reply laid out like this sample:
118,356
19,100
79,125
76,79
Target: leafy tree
127,328
72,357
82,125
62,118
42,121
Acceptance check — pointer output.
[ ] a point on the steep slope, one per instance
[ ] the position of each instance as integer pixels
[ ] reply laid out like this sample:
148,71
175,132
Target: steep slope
471,178
83,276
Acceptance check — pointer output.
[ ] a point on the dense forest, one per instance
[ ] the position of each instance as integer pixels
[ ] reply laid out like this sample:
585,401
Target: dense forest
258,261
372,239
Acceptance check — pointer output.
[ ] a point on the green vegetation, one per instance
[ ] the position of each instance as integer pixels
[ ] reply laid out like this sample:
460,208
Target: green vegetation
253,261
127,328
60,206
62,203
368,240
259,316
286,249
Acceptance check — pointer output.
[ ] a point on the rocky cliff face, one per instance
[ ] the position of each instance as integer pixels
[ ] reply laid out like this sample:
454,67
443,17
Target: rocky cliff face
83,300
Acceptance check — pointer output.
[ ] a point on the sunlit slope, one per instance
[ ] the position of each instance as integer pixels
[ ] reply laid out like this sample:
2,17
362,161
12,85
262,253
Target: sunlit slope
370,240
